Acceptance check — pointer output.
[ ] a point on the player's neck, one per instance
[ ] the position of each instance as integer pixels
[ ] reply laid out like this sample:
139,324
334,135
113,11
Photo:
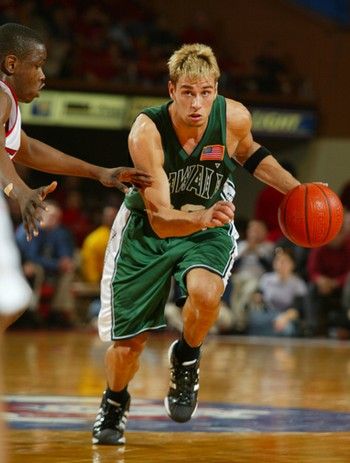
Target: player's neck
186,132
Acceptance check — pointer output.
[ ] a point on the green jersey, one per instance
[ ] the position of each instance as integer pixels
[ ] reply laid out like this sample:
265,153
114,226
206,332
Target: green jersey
138,264
200,179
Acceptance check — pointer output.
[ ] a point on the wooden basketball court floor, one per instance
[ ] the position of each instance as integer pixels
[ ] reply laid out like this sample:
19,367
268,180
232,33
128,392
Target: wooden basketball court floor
261,400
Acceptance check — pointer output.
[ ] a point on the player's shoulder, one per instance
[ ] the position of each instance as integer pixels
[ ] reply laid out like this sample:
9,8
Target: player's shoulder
143,130
143,123
237,115
237,110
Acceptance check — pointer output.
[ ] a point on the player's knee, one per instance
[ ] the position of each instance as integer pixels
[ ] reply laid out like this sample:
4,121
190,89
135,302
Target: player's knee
206,295
138,343
131,354
131,349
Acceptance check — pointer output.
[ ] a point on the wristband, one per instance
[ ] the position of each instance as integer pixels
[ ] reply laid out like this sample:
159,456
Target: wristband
255,159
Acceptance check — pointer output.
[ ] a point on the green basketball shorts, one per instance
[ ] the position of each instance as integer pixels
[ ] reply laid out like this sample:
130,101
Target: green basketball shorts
138,269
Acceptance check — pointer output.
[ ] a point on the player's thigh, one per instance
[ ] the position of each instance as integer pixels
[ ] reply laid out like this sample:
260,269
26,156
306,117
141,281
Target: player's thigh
209,260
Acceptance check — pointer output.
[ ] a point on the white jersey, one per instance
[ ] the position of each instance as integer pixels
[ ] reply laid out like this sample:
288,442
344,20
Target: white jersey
13,125
15,293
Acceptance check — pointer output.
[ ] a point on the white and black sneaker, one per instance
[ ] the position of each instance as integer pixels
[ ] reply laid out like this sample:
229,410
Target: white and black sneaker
181,401
110,422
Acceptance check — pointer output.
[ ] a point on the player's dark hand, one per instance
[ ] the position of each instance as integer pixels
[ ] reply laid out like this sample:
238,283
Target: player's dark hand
116,177
31,203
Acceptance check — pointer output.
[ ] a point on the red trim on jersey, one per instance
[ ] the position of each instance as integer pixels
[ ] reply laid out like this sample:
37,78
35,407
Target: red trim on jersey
10,151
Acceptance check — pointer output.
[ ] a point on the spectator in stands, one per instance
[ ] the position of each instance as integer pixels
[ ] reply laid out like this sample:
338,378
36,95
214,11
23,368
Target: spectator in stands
118,33
94,247
59,40
235,71
254,258
75,218
28,14
345,195
329,270
150,66
266,206
161,35
92,258
200,30
270,69
278,307
300,255
49,259
8,12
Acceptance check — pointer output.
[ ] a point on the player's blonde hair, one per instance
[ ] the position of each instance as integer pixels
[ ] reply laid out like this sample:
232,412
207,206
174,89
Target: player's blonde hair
193,60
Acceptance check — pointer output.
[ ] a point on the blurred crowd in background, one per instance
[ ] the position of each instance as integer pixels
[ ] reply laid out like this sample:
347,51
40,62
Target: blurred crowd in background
128,43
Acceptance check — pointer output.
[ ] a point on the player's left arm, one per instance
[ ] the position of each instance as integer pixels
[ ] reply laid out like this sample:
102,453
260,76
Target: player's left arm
40,156
258,160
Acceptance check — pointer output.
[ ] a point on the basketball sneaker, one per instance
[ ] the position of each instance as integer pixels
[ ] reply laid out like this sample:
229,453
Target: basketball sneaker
110,422
181,401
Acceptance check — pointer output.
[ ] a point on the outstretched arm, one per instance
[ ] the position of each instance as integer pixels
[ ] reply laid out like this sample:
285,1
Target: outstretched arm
268,170
30,201
40,156
147,153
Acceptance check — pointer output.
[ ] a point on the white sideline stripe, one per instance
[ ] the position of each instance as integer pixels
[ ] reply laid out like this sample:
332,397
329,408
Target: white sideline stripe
10,417
49,399
62,399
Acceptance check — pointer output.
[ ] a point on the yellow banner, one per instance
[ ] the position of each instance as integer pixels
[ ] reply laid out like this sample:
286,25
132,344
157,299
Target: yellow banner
89,110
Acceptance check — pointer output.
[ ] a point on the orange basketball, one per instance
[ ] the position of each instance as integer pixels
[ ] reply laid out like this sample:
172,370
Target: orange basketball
310,215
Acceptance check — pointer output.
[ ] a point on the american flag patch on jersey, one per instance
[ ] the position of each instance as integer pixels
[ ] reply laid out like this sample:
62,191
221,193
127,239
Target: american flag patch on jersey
213,153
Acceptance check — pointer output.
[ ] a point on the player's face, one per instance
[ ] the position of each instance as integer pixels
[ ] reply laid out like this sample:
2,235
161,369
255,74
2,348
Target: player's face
29,78
193,99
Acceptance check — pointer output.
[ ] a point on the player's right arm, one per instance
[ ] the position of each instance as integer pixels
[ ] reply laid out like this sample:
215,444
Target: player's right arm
30,201
240,141
146,151
8,173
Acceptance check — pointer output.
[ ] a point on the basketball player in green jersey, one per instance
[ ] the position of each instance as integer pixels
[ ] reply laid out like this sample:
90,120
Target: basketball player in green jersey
181,225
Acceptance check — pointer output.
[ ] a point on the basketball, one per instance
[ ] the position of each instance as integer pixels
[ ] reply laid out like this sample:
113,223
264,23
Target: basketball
310,215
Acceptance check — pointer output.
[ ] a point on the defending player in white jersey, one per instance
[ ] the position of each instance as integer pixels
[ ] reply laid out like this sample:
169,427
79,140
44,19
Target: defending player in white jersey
22,58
